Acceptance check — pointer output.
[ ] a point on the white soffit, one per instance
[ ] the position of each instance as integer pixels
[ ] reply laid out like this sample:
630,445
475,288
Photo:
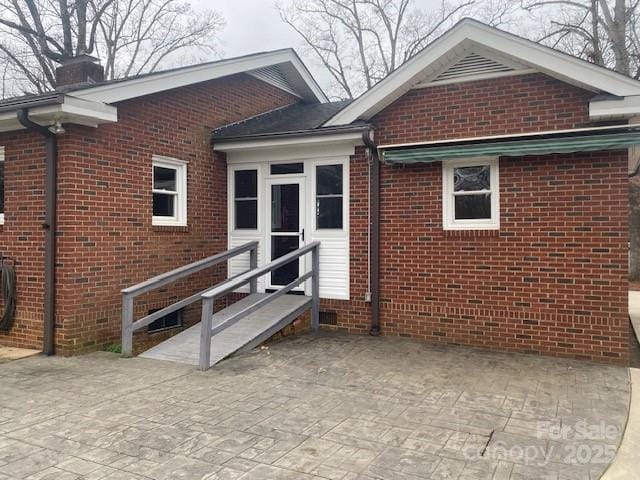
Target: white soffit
470,35
72,110
290,70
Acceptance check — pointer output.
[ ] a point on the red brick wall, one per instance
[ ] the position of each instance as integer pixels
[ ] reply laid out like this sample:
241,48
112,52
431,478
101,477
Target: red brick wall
552,280
22,236
105,237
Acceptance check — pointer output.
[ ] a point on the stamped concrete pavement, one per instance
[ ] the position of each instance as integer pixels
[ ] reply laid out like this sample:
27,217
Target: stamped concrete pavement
330,406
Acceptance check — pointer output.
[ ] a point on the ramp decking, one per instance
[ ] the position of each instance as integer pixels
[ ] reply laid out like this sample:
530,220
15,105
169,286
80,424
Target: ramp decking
244,335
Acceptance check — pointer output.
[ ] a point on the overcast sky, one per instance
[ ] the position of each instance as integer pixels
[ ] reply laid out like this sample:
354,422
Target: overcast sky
255,26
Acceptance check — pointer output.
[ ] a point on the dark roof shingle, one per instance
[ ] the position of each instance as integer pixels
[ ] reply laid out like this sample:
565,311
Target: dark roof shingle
293,118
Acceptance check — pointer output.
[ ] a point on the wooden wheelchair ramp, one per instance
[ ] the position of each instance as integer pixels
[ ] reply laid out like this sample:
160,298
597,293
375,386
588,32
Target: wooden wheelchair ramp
240,326
244,335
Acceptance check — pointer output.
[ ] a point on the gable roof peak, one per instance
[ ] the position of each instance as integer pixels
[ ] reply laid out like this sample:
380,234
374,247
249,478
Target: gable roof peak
470,35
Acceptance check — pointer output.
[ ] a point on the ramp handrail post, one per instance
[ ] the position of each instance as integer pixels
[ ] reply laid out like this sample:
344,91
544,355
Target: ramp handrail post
205,333
253,264
315,288
127,325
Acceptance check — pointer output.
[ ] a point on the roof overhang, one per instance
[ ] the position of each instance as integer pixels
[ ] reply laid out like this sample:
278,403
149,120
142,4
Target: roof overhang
293,145
57,108
614,107
617,137
467,36
290,68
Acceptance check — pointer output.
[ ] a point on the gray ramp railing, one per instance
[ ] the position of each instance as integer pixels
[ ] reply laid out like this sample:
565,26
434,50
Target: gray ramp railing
209,297
129,294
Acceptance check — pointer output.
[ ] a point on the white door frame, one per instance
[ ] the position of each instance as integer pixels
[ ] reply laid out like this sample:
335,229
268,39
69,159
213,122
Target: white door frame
301,181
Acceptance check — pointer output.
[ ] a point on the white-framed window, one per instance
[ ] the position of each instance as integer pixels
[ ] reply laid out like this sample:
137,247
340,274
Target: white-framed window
329,192
245,188
169,191
471,194
1,185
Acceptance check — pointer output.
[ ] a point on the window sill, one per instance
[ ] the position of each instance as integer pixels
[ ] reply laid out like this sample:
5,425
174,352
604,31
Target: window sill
471,233
171,228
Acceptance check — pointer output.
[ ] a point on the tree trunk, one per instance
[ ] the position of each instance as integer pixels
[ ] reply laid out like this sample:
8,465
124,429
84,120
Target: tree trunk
619,40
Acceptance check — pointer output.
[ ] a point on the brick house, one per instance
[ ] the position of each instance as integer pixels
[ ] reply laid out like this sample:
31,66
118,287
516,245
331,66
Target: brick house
478,195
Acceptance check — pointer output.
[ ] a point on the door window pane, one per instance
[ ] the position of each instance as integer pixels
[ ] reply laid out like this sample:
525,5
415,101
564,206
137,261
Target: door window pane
246,199
285,208
281,245
468,207
329,196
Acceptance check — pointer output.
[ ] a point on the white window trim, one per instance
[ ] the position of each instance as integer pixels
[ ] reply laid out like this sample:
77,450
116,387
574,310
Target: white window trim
232,199
345,196
5,180
180,166
448,212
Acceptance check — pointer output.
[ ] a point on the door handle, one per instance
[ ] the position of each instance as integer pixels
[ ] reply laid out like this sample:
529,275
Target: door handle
302,234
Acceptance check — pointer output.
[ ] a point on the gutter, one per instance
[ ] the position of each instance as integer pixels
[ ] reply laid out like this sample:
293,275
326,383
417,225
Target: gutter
41,101
374,225
314,132
49,227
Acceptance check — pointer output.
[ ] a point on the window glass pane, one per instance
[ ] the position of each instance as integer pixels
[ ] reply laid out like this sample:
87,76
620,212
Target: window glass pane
285,208
281,245
329,180
1,187
163,205
468,207
468,179
329,212
164,179
284,168
247,214
246,183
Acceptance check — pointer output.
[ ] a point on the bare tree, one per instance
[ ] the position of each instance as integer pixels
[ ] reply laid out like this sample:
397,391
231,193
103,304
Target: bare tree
361,41
604,32
130,36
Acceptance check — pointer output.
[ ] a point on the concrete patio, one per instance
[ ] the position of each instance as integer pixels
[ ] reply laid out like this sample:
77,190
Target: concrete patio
327,407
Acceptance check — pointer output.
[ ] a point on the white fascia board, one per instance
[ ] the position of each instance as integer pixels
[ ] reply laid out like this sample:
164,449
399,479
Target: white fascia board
154,83
351,137
617,108
72,110
543,59
320,146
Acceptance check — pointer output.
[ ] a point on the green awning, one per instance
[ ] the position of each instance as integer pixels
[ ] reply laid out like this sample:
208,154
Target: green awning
511,148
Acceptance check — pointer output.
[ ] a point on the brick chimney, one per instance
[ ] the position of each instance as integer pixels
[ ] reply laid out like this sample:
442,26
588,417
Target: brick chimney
80,69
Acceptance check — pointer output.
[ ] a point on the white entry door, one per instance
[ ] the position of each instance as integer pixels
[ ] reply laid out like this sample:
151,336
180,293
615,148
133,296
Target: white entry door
286,232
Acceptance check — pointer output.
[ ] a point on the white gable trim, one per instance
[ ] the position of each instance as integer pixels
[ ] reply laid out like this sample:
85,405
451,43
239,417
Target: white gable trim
297,75
468,34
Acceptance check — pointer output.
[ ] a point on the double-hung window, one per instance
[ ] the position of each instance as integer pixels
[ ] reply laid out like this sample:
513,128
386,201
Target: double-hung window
1,185
245,186
169,191
471,194
329,196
